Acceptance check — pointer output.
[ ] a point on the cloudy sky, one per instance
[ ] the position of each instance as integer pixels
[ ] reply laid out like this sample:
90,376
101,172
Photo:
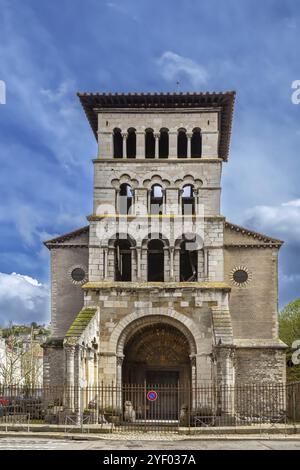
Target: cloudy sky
50,50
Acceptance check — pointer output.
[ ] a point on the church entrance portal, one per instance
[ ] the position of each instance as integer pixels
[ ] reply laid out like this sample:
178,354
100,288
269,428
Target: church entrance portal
156,358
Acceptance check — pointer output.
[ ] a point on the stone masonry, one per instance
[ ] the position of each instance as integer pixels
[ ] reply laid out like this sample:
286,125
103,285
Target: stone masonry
129,281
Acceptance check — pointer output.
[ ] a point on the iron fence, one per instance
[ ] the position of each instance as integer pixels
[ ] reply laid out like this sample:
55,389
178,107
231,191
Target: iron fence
151,406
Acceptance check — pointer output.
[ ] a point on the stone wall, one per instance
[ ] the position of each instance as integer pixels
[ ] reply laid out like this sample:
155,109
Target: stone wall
253,306
66,296
260,365
170,174
53,365
190,308
206,120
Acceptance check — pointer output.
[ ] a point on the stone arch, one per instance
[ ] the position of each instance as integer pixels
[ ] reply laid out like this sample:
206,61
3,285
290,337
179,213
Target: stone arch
119,236
156,179
154,236
192,238
116,182
188,179
130,323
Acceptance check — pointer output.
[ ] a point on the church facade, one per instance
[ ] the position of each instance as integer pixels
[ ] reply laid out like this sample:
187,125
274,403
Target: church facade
159,287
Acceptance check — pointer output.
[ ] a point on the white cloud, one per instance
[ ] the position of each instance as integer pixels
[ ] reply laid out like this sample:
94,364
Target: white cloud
173,66
23,299
282,220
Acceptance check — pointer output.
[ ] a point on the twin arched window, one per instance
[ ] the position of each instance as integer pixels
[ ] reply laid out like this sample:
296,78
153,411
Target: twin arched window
188,199
118,143
149,143
123,265
155,261
181,144
194,148
131,143
125,198
196,143
163,149
188,262
156,199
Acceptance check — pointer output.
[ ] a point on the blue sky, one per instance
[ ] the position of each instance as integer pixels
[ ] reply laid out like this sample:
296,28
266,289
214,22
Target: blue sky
50,50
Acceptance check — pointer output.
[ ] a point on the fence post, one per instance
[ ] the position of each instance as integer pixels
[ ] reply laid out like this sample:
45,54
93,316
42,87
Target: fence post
145,404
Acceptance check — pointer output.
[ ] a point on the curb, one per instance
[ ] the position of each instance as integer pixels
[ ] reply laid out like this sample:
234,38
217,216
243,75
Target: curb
147,437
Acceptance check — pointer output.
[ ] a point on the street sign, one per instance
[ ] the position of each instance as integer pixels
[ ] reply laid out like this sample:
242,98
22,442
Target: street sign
152,395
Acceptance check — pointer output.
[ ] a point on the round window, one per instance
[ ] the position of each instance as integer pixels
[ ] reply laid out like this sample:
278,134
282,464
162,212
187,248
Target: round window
240,276
78,275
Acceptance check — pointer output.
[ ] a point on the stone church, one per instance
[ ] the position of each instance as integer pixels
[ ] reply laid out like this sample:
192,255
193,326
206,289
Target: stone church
159,287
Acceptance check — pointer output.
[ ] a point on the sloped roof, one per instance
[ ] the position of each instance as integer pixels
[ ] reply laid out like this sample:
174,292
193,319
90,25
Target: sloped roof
66,237
255,235
224,100
81,322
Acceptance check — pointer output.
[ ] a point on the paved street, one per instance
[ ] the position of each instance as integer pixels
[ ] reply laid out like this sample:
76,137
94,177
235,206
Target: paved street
109,444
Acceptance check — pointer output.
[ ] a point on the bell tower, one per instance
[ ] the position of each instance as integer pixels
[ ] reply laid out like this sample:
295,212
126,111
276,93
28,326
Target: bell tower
156,222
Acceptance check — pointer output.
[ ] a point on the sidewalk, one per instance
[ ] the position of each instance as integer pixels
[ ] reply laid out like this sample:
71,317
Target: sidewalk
96,432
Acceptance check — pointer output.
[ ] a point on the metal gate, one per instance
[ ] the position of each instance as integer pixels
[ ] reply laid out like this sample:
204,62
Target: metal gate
150,407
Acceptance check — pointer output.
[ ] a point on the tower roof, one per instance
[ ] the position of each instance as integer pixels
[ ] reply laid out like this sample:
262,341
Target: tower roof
91,102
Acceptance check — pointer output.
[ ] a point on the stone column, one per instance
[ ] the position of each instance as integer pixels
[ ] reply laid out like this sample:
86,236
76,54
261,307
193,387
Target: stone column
143,264
105,144
171,263
149,201
69,379
133,263
226,377
138,264
196,192
206,259
189,136
117,201
173,144
166,264
156,135
124,135
78,405
105,262
210,144
119,382
177,264
140,144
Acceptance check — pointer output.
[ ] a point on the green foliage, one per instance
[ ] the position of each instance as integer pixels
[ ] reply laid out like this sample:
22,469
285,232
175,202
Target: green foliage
289,331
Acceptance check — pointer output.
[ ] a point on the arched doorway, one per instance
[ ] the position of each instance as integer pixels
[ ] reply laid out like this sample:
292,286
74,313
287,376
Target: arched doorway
158,354
157,357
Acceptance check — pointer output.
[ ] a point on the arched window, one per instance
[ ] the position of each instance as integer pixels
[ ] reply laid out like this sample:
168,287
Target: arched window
149,144
164,143
122,260
188,262
156,199
118,143
155,261
125,198
131,143
196,143
182,144
188,199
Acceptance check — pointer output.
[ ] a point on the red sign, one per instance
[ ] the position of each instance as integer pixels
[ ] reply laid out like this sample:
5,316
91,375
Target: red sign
152,395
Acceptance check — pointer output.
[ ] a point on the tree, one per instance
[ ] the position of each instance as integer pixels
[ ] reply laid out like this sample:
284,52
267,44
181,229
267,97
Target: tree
21,361
289,331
